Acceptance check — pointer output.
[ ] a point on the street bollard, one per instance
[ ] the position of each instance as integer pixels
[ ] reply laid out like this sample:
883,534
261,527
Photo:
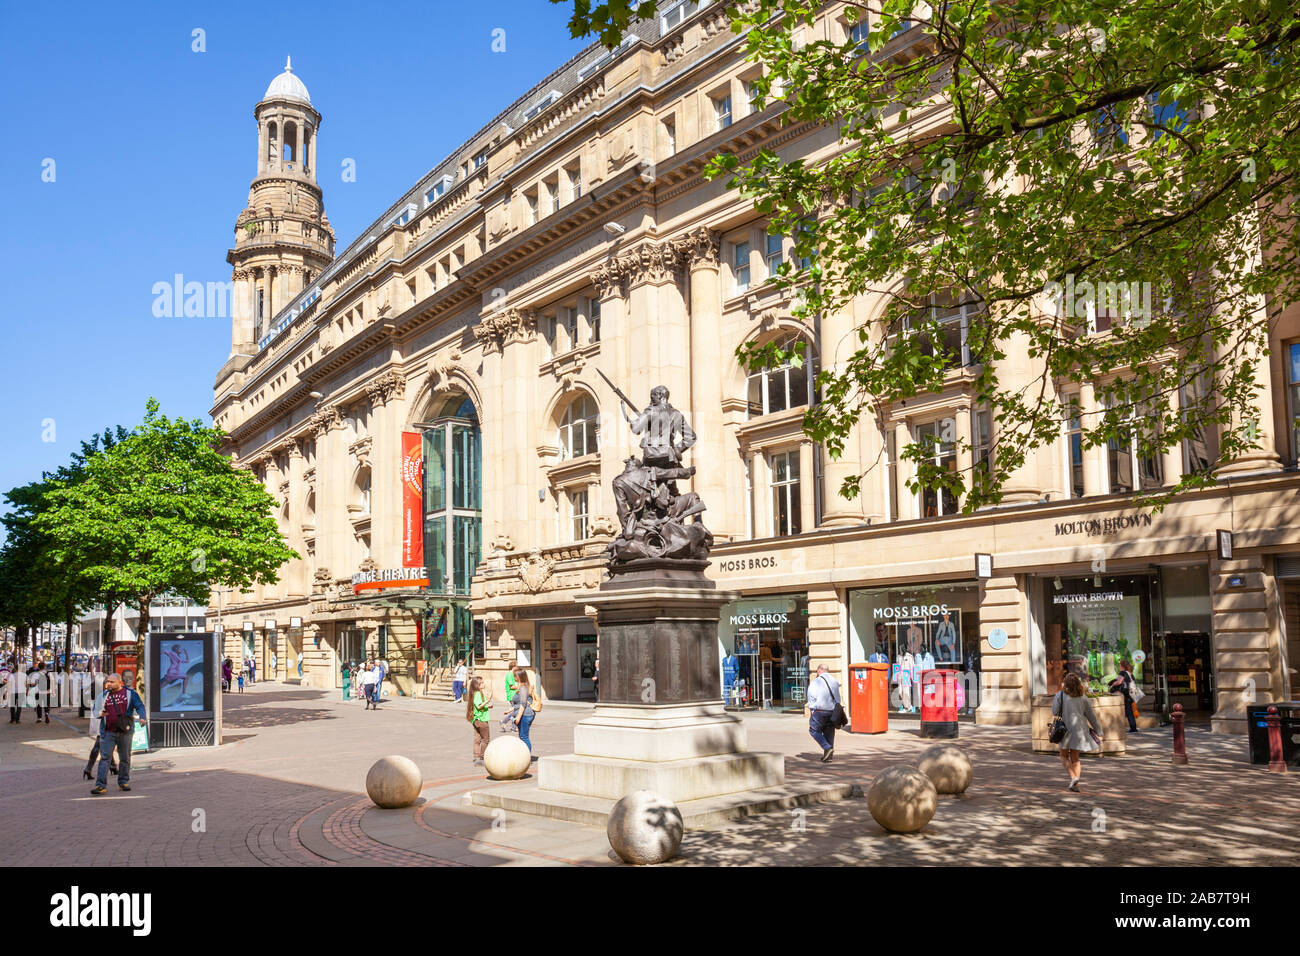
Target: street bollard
1276,762
1180,740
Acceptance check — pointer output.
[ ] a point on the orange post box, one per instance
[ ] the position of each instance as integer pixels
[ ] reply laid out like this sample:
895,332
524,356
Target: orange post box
868,698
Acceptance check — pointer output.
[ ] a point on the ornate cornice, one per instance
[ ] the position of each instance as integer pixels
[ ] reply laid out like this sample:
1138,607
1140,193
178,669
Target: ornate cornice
499,329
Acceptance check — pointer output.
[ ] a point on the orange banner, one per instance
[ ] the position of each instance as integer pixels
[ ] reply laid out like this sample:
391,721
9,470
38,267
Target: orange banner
412,500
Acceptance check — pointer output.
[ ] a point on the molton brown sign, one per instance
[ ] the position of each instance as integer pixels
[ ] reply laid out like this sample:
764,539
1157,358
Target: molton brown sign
1098,526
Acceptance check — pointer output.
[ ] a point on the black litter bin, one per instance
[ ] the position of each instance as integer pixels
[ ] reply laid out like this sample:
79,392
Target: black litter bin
1257,730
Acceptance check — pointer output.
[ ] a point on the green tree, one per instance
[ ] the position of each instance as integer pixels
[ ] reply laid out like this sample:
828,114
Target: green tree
164,512
1059,165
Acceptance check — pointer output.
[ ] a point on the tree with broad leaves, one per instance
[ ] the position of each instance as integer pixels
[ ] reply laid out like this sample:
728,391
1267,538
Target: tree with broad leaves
1100,192
164,512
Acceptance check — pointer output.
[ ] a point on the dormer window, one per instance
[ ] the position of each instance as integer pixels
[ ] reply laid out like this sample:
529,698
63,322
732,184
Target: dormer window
405,215
541,105
437,190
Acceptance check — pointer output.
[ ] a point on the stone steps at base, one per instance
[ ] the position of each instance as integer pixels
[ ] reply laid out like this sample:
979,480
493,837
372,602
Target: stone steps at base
527,798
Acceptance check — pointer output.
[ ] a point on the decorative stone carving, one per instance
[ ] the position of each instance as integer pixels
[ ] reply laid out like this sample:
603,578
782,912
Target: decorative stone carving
503,542
536,570
367,565
326,419
609,280
388,386
602,526
700,248
321,579
441,370
499,329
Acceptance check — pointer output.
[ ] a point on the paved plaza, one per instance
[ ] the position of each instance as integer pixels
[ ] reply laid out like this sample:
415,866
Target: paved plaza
288,789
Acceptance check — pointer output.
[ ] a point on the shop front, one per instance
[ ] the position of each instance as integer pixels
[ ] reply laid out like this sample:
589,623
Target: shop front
565,658
763,648
1156,619
915,629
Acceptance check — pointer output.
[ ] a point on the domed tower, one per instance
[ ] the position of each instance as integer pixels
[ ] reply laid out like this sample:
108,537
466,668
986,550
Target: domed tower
283,239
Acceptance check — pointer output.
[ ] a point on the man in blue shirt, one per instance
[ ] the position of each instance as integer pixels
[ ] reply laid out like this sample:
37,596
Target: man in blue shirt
116,728
823,695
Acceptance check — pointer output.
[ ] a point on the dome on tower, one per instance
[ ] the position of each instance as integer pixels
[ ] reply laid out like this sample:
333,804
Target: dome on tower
286,86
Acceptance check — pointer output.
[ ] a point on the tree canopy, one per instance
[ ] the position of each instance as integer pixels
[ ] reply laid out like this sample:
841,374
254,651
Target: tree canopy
1097,193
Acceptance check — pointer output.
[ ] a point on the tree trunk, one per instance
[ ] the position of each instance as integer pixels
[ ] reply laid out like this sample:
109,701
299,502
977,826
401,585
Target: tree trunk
140,663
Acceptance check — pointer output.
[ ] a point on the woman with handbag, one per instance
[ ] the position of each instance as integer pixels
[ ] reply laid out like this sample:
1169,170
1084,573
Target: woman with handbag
1075,727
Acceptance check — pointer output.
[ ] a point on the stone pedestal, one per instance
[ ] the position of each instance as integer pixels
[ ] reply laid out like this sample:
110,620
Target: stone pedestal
659,724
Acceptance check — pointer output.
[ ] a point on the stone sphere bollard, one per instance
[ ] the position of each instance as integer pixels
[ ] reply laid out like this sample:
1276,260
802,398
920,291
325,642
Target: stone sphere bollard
948,768
645,828
394,782
902,799
507,758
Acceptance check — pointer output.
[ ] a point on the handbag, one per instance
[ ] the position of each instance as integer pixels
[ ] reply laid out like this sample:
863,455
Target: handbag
1056,729
839,719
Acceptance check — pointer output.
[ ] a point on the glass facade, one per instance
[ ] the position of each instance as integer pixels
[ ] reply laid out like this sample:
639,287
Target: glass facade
453,519
915,629
764,652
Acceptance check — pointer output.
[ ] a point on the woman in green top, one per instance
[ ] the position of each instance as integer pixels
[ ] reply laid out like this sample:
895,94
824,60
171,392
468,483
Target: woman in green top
478,709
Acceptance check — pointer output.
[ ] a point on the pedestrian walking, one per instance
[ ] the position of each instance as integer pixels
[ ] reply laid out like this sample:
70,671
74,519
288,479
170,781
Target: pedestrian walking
1126,686
16,688
347,681
95,715
1082,731
227,673
595,680
252,670
369,685
478,710
118,705
524,712
382,664
458,681
823,699
240,681
39,680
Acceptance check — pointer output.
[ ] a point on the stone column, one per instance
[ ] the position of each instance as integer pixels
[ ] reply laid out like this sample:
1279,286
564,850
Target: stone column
965,451
837,342
616,360
1004,674
241,310
297,578
1247,657
706,361
333,531
907,504
1096,481
1258,419
1017,370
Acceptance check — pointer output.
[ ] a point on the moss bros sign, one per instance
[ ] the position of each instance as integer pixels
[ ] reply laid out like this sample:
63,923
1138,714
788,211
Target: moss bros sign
1098,526
748,564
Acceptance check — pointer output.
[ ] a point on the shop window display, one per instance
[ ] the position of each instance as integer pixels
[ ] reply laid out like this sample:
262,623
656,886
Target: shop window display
764,653
915,630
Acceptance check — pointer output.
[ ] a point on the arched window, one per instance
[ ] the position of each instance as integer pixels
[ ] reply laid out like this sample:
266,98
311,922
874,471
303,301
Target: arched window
290,142
786,386
577,435
272,144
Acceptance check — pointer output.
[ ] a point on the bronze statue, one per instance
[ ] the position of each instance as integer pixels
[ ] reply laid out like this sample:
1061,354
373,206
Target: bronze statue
652,512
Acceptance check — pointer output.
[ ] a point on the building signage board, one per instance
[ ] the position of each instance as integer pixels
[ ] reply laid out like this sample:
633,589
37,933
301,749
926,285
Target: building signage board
754,563
412,500
1098,526
390,578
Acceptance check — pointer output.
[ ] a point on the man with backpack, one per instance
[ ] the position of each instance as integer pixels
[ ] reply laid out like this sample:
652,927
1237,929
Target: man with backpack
119,705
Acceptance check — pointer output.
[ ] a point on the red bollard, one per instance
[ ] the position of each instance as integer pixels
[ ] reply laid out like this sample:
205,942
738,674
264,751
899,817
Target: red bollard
1180,741
1276,763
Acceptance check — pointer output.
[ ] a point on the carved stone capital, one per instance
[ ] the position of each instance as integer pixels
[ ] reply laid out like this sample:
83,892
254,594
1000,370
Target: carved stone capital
388,386
499,329
700,248
326,419
609,280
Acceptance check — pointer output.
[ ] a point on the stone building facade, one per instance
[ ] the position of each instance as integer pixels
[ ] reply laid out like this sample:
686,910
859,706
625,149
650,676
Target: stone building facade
450,357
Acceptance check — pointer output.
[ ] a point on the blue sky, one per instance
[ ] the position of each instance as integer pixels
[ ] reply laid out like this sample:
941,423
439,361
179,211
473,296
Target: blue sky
154,146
